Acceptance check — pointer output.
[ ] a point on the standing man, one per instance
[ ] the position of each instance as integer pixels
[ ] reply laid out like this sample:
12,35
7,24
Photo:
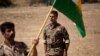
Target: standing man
56,37
10,47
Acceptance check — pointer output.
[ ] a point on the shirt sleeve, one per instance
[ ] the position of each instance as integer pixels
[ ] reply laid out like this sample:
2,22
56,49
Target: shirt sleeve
66,35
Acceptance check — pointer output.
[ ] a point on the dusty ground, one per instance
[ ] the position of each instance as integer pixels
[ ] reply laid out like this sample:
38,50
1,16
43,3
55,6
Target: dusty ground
28,21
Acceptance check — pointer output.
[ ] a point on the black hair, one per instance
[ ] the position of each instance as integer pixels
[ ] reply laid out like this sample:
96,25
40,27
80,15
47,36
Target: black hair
54,12
6,25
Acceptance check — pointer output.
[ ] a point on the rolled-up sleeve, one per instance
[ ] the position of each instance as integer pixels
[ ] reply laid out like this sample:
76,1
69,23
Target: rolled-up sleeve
66,35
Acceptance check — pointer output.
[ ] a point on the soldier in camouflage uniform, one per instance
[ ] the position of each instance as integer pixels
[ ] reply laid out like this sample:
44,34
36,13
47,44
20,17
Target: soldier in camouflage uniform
56,37
10,47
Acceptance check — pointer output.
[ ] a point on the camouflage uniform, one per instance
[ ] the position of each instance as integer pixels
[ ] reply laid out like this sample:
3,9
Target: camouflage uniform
55,36
19,49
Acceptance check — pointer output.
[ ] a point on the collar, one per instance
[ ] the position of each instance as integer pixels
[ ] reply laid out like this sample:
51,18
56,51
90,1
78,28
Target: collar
53,25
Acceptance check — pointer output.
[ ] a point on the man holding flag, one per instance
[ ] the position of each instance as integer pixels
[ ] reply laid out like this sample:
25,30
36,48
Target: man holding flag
10,47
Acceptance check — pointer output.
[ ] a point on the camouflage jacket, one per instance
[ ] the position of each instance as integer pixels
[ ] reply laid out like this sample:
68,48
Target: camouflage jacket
54,36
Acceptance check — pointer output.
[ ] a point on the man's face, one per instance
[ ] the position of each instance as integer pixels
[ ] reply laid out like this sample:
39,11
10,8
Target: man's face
53,18
9,34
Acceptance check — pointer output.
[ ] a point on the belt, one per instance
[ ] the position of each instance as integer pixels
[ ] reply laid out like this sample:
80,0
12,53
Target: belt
56,45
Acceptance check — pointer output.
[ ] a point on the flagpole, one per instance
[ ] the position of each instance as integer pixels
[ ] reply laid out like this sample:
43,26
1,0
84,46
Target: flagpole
41,29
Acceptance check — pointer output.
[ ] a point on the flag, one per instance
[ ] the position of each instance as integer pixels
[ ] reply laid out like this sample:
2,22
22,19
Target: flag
71,9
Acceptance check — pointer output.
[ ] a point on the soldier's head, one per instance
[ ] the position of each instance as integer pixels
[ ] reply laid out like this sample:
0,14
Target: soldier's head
8,30
53,16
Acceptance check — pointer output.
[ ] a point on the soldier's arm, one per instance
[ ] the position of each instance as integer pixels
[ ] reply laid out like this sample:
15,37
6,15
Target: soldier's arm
35,42
66,49
45,48
34,50
67,41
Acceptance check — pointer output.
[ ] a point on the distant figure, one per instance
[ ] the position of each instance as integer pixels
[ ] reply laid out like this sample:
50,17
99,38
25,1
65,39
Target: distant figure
10,47
56,37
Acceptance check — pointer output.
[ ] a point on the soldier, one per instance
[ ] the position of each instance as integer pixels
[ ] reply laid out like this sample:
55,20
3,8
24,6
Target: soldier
56,37
10,47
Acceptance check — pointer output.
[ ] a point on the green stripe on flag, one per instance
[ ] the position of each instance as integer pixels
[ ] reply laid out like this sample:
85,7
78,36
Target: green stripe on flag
71,10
